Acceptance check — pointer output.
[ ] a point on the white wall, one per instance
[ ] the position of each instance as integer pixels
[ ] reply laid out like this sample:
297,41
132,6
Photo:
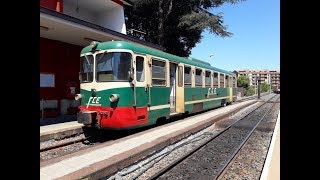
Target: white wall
113,19
250,78
82,14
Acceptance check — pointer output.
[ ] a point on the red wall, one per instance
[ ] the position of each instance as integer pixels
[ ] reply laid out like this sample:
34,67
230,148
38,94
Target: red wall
63,60
56,5
118,2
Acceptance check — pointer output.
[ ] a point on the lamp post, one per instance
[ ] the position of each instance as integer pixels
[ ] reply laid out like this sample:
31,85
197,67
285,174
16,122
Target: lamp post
211,57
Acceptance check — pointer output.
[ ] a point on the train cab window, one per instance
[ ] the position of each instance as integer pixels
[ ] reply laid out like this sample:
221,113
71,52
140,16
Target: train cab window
208,79
113,66
198,78
215,80
227,81
234,82
158,73
187,76
86,68
140,68
221,80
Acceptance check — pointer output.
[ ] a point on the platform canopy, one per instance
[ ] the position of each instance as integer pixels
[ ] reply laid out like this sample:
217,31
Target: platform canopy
65,28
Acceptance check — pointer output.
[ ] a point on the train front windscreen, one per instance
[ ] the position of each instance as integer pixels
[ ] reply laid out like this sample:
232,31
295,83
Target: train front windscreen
113,66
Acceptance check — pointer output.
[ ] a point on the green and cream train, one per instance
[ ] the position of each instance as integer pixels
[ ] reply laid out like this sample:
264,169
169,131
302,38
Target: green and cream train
124,85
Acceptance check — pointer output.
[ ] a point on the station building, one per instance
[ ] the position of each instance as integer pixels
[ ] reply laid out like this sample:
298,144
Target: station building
66,26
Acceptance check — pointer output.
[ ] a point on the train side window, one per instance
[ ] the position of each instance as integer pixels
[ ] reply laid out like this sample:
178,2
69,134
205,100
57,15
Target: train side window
221,80
227,81
180,74
208,79
198,78
215,80
140,68
187,76
234,82
158,73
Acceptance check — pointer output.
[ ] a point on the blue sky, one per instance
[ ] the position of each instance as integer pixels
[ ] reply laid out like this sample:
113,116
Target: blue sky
255,43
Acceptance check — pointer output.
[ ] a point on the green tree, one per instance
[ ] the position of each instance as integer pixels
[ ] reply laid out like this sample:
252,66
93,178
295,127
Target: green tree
265,87
243,81
176,24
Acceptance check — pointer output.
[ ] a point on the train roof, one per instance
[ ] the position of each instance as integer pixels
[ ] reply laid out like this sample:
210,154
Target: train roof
154,52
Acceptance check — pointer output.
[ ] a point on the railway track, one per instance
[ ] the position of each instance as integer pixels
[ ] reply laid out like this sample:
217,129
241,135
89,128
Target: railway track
249,162
197,163
250,98
231,159
217,140
62,143
56,148
214,142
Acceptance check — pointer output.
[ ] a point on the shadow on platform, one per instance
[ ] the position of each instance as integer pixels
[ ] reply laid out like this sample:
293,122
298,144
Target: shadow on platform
56,120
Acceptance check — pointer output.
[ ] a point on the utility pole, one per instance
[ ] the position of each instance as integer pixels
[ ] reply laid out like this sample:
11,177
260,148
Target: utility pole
270,88
255,86
259,87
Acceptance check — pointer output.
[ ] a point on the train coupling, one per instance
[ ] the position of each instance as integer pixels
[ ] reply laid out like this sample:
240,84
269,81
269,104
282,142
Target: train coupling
86,117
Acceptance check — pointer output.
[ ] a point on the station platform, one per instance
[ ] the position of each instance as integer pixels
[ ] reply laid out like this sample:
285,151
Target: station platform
107,158
60,130
57,120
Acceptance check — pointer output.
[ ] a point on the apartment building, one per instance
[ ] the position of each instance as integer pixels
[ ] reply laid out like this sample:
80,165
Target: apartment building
268,76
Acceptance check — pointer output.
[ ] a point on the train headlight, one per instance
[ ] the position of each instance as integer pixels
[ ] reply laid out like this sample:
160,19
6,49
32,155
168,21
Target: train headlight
77,97
114,97
94,44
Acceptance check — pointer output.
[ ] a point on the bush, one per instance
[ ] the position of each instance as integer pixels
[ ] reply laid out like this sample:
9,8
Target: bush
249,91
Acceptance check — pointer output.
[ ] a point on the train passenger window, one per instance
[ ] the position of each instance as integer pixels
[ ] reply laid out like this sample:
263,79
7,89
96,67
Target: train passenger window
215,80
158,73
198,78
234,82
208,79
221,80
180,74
140,68
187,76
227,81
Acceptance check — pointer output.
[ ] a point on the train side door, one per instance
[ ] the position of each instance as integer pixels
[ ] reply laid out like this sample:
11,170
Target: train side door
139,92
173,76
140,95
180,88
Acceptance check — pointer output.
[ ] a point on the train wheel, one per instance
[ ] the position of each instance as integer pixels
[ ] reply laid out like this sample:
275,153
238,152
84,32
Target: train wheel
160,121
224,103
185,114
